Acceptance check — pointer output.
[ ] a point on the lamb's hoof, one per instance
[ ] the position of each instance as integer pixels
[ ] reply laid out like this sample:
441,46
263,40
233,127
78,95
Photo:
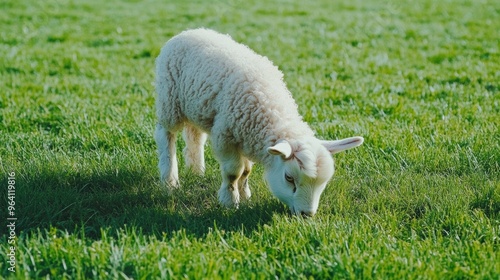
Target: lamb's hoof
170,185
229,198
245,194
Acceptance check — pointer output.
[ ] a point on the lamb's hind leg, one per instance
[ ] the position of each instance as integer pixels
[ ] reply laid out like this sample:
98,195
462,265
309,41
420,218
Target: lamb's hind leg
165,141
194,150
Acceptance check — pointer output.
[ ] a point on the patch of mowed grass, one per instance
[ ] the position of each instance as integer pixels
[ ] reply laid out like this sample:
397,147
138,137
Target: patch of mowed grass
420,198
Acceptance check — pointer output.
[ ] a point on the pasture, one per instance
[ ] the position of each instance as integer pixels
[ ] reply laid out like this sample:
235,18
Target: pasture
420,199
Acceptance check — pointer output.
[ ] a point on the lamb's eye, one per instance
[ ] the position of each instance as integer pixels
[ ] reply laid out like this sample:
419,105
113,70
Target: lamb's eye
290,180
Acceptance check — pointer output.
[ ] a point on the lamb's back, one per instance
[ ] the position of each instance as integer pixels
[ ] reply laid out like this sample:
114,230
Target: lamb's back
215,78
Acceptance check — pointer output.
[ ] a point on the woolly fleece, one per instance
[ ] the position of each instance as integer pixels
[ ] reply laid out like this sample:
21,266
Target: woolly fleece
208,83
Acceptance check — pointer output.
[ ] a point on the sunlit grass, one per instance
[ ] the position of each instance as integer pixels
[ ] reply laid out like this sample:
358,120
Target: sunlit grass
419,199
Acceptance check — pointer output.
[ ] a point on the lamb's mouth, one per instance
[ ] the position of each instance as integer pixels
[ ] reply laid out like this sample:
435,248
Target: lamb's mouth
302,214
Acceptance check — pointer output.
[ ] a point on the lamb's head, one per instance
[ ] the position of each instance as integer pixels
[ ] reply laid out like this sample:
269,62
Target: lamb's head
300,170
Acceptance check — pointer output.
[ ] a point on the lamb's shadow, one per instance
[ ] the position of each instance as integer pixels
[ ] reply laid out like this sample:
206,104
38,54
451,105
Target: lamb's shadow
113,199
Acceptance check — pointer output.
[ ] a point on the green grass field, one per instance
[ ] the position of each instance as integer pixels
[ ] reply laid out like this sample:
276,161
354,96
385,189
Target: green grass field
420,199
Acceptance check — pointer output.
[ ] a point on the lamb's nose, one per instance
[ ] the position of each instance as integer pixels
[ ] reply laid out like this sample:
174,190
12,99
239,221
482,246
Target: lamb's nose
307,214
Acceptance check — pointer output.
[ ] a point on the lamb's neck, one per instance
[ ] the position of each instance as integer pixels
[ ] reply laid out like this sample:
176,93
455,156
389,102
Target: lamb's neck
295,132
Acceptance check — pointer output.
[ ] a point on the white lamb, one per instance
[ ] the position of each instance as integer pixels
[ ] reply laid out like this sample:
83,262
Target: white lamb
208,83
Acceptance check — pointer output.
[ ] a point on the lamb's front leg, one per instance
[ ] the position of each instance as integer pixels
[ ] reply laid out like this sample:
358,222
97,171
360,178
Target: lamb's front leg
243,186
232,167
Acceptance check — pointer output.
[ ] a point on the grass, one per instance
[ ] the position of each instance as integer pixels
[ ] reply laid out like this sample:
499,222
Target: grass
419,200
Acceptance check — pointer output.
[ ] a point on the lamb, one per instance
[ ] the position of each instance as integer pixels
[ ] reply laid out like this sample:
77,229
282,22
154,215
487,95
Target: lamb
209,84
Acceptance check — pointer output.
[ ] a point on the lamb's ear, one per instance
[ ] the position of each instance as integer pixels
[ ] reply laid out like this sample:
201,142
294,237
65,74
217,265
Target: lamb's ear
281,148
336,146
